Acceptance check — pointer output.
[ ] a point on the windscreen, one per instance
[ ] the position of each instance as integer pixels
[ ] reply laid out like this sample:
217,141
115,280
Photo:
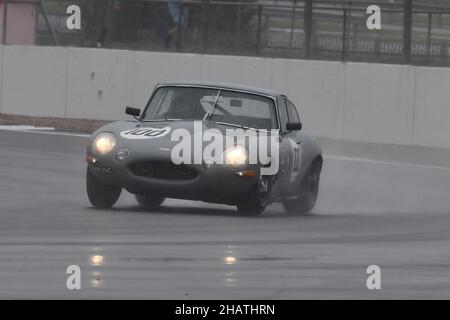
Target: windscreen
189,103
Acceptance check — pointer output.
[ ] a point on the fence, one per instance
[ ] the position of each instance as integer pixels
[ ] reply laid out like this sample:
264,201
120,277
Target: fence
412,32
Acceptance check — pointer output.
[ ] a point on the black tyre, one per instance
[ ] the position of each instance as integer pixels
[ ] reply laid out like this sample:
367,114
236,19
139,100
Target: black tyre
99,194
309,191
252,203
149,201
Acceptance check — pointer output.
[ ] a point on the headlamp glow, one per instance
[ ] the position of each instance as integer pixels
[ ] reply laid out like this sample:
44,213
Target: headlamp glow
104,143
236,155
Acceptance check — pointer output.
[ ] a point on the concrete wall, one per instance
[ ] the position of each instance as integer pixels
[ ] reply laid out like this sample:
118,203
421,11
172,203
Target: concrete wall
34,81
432,107
353,101
99,83
316,88
378,103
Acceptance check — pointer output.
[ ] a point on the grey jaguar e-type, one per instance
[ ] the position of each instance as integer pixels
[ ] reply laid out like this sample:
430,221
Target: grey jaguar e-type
161,152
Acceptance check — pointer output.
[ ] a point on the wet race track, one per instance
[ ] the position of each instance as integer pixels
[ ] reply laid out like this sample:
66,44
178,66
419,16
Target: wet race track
396,216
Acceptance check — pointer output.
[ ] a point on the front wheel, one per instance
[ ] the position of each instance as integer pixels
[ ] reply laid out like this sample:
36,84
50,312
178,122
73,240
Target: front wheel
309,191
252,203
99,194
149,202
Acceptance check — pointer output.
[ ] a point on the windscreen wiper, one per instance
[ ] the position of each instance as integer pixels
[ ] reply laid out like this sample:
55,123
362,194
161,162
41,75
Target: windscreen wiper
233,125
239,126
159,120
210,112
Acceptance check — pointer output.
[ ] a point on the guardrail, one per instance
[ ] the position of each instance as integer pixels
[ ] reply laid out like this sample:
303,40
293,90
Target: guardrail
412,33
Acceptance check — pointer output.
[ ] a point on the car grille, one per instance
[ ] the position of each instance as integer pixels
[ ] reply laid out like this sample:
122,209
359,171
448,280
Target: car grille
163,170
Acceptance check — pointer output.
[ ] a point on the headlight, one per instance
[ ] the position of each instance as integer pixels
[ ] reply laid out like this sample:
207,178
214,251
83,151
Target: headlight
104,143
236,155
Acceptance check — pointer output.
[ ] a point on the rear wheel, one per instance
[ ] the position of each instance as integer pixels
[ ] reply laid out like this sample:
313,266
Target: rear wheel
99,194
252,203
309,191
149,201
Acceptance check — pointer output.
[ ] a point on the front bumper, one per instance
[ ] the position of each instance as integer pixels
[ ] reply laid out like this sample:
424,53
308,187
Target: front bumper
216,183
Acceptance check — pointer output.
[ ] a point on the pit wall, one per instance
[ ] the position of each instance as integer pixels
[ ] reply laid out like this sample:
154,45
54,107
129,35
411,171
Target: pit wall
363,102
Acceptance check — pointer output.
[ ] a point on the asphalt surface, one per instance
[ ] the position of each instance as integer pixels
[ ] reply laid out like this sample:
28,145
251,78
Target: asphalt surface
392,215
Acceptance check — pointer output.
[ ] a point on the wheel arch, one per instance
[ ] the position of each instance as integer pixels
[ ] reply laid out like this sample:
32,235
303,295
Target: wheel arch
312,152
317,161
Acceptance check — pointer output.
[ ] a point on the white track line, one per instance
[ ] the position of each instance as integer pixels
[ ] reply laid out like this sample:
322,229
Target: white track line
22,128
381,162
42,130
59,133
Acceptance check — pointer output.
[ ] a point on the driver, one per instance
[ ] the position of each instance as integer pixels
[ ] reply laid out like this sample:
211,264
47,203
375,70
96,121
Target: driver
186,106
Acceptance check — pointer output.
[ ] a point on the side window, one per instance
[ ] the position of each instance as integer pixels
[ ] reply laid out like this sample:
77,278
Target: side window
283,113
292,112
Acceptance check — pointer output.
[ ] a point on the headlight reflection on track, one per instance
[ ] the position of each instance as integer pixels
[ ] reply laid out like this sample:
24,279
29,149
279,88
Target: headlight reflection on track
230,260
96,260
96,280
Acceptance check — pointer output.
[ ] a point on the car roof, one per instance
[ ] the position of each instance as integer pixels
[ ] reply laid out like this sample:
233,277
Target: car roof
223,85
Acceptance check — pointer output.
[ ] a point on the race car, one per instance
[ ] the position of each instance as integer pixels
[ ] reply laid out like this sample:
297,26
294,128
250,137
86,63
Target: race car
211,142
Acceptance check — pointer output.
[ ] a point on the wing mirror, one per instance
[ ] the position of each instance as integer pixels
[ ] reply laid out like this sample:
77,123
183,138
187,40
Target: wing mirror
135,112
293,126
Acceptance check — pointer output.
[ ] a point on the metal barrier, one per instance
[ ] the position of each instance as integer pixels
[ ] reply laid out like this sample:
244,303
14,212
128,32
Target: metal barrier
412,32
